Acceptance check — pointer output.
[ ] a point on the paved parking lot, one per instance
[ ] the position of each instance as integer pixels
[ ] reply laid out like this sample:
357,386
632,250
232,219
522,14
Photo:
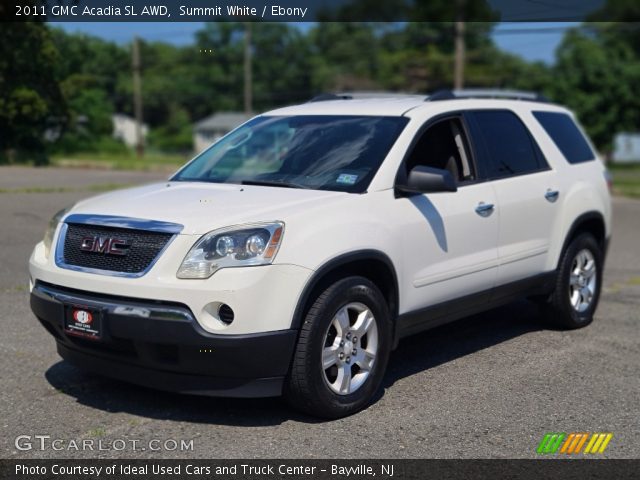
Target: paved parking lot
487,386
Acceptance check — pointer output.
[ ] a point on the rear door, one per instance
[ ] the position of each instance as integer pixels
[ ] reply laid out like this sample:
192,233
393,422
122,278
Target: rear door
527,191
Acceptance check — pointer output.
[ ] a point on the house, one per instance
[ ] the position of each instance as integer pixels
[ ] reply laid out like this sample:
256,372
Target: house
124,129
626,148
207,131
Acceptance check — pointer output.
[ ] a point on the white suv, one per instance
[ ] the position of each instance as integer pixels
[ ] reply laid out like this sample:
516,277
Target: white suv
293,254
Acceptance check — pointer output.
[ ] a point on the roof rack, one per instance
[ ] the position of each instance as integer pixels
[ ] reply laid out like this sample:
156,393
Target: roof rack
364,96
323,97
486,93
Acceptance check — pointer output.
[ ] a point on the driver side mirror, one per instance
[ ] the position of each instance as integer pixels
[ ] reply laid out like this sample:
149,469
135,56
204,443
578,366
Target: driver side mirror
423,179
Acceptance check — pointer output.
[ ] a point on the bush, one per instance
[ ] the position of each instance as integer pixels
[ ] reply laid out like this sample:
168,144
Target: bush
175,135
36,157
76,142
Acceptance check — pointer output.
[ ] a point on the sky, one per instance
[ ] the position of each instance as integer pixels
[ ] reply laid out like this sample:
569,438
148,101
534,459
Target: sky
533,41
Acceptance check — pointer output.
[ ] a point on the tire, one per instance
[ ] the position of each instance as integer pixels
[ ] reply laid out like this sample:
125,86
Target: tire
577,288
329,334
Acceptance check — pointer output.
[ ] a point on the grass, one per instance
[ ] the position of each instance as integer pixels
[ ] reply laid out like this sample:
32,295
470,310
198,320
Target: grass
626,179
96,187
97,432
151,161
17,289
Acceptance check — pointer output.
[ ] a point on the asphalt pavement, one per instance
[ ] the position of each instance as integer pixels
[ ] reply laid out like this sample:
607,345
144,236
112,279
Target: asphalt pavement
489,386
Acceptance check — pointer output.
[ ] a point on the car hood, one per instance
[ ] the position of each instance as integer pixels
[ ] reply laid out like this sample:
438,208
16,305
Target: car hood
202,207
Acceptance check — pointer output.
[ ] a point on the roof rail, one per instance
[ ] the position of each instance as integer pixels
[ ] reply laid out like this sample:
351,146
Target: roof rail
323,97
364,95
486,93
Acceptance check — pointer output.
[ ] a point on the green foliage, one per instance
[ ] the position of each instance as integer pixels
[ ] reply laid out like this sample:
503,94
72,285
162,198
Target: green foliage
98,62
280,64
617,23
89,122
598,79
626,179
176,135
72,143
121,160
53,81
287,76
30,97
345,56
89,106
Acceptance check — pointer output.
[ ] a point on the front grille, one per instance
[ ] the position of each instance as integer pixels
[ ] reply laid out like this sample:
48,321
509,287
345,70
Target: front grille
143,248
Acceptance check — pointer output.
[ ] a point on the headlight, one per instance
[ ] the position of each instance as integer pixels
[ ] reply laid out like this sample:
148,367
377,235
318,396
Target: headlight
51,230
239,246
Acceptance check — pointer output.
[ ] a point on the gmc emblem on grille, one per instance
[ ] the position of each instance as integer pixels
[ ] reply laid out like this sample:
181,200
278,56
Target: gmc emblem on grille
105,245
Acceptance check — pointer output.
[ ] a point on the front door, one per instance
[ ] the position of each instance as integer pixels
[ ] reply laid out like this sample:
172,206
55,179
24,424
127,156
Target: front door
450,238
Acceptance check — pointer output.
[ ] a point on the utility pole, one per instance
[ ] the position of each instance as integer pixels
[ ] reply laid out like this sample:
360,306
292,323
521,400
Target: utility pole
458,73
137,95
248,74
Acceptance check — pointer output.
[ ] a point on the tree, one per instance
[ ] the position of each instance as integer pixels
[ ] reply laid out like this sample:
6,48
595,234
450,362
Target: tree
281,66
175,135
89,114
99,61
617,21
345,56
597,79
30,96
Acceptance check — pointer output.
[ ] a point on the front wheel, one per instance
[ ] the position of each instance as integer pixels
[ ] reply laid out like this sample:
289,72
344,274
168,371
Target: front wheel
342,351
578,283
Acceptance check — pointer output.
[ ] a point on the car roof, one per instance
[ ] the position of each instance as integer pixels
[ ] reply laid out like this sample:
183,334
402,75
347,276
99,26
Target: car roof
393,106
390,104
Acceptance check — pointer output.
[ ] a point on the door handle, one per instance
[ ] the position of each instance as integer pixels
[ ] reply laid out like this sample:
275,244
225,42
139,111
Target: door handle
552,195
484,209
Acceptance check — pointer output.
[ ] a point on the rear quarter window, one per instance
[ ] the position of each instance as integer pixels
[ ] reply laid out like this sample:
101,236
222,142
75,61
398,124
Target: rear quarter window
566,135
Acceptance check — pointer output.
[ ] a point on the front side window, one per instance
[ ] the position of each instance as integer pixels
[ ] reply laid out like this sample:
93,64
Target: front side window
443,145
320,152
508,146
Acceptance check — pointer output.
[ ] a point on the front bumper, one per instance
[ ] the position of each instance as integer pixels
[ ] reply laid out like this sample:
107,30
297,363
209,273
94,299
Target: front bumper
264,298
161,345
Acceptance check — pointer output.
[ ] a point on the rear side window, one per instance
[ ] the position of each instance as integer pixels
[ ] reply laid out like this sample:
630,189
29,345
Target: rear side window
508,146
566,135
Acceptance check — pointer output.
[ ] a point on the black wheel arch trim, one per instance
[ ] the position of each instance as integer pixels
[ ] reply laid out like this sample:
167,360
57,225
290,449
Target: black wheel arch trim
578,223
337,262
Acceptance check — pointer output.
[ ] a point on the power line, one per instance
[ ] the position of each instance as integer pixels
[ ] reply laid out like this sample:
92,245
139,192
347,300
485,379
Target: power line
554,6
561,29
524,31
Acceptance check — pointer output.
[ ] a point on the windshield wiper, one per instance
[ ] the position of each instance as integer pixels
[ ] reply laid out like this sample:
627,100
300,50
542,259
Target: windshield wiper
272,183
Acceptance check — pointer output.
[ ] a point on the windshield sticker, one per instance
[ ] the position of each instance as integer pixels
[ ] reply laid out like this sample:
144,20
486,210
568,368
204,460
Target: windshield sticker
347,179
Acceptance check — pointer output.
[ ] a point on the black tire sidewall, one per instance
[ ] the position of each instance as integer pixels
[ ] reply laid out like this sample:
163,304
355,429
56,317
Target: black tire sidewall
569,316
349,290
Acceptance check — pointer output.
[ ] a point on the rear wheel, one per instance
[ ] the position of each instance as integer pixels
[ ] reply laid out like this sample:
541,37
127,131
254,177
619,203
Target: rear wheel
342,352
578,284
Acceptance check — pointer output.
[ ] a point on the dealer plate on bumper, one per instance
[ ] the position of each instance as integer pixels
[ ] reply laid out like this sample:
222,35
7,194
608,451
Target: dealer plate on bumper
82,321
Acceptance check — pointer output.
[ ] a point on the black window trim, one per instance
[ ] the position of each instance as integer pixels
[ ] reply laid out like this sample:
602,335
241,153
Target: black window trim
536,147
458,115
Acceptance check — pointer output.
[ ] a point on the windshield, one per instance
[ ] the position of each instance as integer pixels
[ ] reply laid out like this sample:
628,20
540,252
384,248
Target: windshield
320,152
